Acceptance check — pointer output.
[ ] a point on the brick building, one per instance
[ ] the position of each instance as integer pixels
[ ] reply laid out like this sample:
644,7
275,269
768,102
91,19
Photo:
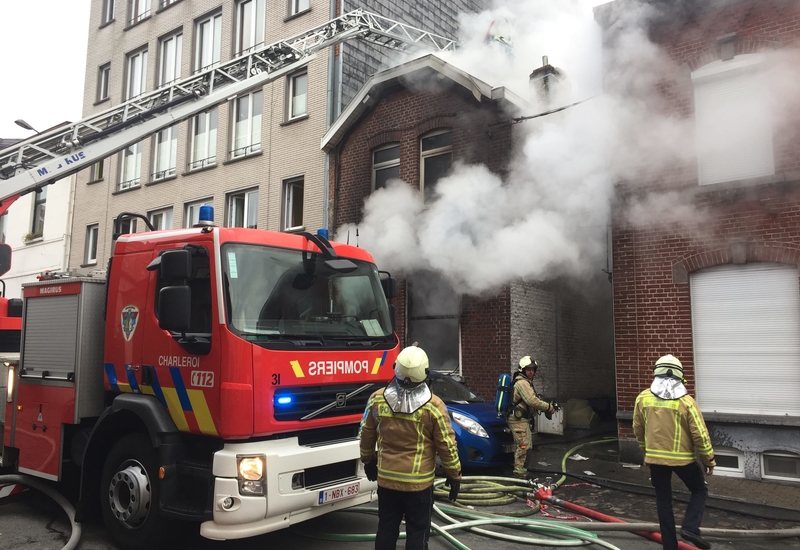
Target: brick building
395,128
721,292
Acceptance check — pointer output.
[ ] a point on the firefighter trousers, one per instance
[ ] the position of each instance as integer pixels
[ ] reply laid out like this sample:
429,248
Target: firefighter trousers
415,506
521,430
692,477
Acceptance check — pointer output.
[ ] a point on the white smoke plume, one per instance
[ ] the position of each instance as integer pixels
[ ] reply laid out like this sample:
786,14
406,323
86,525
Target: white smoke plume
549,216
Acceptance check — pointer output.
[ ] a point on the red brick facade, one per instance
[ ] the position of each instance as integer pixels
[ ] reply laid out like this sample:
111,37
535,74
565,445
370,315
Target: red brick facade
747,221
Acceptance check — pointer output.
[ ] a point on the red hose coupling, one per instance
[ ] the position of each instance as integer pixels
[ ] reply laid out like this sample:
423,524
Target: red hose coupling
543,493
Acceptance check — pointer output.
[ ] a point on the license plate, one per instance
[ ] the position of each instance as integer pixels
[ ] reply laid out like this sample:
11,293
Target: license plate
510,448
332,495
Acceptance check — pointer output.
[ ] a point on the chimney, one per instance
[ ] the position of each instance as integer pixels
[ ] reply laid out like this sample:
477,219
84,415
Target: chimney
544,79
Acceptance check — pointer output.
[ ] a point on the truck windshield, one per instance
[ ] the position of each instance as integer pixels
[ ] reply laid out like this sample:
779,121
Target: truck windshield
279,295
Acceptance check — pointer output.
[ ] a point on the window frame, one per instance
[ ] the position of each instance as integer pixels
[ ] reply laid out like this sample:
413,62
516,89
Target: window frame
725,470
39,212
103,82
96,171
246,196
177,58
136,152
107,15
385,165
438,151
129,92
779,454
251,128
289,187
292,78
172,161
189,206
138,10
254,38
294,7
215,44
3,224
167,212
90,244
209,116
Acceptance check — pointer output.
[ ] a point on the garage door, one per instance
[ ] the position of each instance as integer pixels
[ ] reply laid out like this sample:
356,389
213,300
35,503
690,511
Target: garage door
746,328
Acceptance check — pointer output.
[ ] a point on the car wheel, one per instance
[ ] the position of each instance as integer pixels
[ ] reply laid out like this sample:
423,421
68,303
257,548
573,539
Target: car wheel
130,492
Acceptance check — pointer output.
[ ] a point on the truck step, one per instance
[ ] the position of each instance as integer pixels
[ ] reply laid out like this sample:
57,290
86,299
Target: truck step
186,511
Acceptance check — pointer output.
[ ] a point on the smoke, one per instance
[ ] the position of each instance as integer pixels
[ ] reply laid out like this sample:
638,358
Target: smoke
549,216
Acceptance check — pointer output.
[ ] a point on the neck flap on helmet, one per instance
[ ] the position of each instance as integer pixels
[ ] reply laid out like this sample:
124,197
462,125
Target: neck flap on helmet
403,399
667,387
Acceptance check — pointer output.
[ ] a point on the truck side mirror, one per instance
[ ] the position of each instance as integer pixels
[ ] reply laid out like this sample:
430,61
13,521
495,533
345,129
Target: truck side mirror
389,285
175,308
176,264
5,258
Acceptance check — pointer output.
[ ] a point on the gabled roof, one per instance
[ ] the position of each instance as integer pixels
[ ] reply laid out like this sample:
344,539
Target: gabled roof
370,93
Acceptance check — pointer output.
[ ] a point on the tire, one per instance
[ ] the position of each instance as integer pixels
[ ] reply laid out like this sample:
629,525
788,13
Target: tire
129,494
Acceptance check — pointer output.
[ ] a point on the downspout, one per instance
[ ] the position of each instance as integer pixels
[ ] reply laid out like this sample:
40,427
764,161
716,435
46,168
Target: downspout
68,235
330,98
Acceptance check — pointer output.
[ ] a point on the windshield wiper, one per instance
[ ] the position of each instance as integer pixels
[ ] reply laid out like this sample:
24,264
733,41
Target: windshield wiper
296,339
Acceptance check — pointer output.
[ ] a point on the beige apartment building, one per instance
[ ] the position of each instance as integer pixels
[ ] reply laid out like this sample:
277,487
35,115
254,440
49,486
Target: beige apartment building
256,157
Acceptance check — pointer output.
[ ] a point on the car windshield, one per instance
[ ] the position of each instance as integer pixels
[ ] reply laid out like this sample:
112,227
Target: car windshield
277,294
450,391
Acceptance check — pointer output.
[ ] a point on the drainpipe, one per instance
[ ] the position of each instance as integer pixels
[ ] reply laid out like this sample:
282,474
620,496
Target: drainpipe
68,235
330,115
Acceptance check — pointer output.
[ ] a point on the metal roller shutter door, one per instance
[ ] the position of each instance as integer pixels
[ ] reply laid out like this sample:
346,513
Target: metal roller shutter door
746,329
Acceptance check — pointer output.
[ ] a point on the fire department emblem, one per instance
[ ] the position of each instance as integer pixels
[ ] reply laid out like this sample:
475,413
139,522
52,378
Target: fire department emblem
130,316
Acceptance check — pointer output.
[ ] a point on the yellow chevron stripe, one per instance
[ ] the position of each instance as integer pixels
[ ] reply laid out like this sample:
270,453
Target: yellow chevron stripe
147,390
124,388
201,413
376,366
298,371
174,408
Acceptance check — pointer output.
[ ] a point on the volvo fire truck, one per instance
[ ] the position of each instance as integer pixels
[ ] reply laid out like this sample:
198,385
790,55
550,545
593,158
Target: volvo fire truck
213,374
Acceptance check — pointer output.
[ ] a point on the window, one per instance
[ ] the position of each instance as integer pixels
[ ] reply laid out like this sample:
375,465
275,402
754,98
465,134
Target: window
160,219
730,461
108,12
204,140
103,80
298,6
90,253
126,226
298,92
785,466
293,200
169,59
139,9
207,42
436,151
247,124
200,315
39,204
130,171
733,120
137,74
96,171
166,3
434,319
250,17
243,209
385,165
3,225
166,153
192,212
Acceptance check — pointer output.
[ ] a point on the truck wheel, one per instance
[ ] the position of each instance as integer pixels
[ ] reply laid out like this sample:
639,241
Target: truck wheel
130,492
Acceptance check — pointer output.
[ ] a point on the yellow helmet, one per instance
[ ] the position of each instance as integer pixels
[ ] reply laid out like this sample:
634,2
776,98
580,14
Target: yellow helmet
668,366
411,364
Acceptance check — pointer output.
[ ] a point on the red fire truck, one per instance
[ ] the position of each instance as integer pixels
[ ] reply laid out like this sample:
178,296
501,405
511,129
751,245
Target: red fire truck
213,374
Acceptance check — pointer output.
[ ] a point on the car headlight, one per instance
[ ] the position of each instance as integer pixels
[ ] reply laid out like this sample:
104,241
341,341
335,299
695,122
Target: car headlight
470,425
251,474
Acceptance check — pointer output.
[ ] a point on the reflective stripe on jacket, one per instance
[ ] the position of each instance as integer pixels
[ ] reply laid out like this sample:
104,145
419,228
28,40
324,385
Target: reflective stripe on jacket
524,396
407,444
671,431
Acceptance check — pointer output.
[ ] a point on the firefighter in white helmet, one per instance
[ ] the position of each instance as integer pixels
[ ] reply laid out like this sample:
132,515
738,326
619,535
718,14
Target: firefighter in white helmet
409,426
671,432
524,404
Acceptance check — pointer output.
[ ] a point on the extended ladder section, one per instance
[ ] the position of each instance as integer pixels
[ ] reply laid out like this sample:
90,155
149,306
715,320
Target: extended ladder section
63,151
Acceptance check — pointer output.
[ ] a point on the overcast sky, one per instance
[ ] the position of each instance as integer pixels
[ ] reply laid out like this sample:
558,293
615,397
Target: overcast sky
43,44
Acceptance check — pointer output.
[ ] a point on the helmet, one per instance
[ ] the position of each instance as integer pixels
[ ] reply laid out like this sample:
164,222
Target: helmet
527,362
668,366
412,364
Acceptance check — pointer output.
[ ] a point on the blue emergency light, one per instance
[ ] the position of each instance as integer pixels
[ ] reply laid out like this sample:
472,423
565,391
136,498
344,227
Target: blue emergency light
206,214
285,400
322,232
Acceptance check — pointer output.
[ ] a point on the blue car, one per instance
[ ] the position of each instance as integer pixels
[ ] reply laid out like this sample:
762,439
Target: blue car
483,438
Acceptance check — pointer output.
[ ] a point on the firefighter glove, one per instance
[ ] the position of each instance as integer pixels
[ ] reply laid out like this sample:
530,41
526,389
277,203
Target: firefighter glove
455,486
371,469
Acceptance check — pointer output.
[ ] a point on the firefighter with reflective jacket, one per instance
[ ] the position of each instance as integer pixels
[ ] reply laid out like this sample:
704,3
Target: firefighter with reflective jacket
671,431
409,426
524,404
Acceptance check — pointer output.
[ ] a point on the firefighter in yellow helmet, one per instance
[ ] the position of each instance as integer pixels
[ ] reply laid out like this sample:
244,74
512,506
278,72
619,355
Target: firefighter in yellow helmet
671,431
409,426
524,404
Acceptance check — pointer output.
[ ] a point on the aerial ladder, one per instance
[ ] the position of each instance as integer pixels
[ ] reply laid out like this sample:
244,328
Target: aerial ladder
42,159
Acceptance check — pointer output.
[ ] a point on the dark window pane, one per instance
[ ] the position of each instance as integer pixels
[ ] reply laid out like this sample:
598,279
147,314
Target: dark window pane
435,168
386,155
382,177
437,141
439,339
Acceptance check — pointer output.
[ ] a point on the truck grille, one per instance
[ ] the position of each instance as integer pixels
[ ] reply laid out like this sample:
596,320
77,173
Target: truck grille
308,399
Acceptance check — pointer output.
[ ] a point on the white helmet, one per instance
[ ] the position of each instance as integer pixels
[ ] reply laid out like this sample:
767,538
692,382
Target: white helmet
412,364
668,365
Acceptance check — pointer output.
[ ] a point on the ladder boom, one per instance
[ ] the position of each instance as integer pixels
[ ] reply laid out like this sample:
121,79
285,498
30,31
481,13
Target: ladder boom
63,151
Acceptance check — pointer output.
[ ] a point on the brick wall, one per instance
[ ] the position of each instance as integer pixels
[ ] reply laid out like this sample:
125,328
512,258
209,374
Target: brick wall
746,221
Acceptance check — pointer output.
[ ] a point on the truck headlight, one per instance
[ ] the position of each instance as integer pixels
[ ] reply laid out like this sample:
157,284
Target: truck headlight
10,384
251,474
470,425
